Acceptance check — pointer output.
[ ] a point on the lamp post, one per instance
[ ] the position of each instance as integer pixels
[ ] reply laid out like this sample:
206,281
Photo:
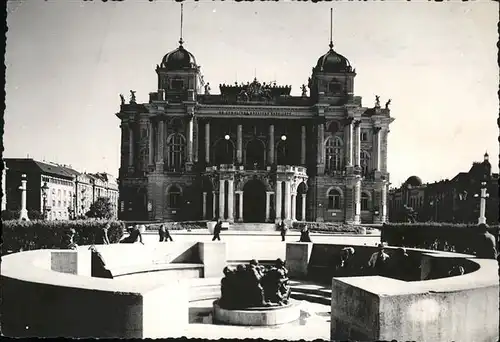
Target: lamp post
45,190
482,203
24,211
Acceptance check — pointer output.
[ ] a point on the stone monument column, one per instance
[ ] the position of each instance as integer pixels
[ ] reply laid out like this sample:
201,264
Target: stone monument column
207,142
357,137
383,204
304,207
230,200
24,211
221,199
204,204
349,141
287,200
214,204
160,150
278,200
268,204
239,144
357,200
303,145
271,145
319,150
151,143
376,148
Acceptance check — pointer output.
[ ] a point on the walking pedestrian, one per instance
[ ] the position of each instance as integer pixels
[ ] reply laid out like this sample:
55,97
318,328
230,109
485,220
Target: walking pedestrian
102,235
217,230
283,229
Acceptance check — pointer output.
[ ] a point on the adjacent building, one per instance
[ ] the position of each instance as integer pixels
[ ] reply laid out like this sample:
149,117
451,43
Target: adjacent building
253,152
452,200
68,193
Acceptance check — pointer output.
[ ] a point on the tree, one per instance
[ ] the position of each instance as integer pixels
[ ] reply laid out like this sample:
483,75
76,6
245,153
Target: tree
101,208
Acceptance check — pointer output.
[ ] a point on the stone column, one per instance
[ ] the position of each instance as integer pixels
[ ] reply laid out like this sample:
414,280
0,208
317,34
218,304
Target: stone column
24,210
230,200
207,142
271,145
190,141
294,207
287,200
214,206
357,138
304,207
357,200
303,145
278,200
160,150
383,204
376,148
240,208
204,205
349,142
151,143
130,146
239,144
320,146
268,202
221,199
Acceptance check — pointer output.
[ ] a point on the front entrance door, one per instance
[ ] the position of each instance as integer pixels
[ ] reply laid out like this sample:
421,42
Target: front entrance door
254,201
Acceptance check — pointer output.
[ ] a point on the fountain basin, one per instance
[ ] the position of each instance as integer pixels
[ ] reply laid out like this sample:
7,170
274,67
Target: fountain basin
257,316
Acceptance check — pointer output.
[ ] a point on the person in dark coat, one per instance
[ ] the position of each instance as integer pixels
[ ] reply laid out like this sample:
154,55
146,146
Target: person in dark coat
283,229
102,235
485,243
304,235
164,233
67,239
134,235
217,230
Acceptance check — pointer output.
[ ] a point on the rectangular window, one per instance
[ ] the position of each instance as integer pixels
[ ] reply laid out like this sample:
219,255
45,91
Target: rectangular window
177,84
364,135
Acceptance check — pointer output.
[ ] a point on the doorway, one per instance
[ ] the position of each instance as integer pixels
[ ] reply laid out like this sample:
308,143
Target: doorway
254,201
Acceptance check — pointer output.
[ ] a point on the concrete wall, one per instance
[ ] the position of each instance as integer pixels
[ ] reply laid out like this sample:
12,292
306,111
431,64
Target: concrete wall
39,302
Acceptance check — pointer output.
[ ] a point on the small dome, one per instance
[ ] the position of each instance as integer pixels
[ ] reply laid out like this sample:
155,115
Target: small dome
333,62
414,181
178,59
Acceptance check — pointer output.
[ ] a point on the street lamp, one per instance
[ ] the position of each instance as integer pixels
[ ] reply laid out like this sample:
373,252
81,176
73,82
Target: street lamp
482,203
227,137
44,189
283,137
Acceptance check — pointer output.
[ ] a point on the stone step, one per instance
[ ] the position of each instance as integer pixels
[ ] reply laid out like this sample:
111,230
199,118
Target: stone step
267,227
311,298
325,292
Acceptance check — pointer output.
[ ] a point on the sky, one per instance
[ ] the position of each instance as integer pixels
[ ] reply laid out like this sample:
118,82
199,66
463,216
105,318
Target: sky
68,61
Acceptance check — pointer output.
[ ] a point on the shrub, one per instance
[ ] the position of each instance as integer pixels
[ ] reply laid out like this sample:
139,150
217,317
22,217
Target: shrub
433,235
15,214
329,227
28,235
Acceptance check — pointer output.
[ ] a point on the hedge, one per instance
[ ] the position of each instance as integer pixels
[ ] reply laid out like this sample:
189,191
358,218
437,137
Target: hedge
185,225
433,235
330,227
28,235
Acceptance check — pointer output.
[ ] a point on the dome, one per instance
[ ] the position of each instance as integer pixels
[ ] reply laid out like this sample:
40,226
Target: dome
414,181
178,59
333,62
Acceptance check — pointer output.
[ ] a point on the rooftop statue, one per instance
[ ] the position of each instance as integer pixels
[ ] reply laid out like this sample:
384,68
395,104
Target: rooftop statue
304,90
207,89
387,104
122,98
132,96
255,285
377,101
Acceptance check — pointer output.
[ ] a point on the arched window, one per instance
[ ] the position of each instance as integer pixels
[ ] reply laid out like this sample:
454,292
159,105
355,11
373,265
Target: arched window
223,152
282,153
334,199
365,162
333,154
365,201
175,154
174,197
